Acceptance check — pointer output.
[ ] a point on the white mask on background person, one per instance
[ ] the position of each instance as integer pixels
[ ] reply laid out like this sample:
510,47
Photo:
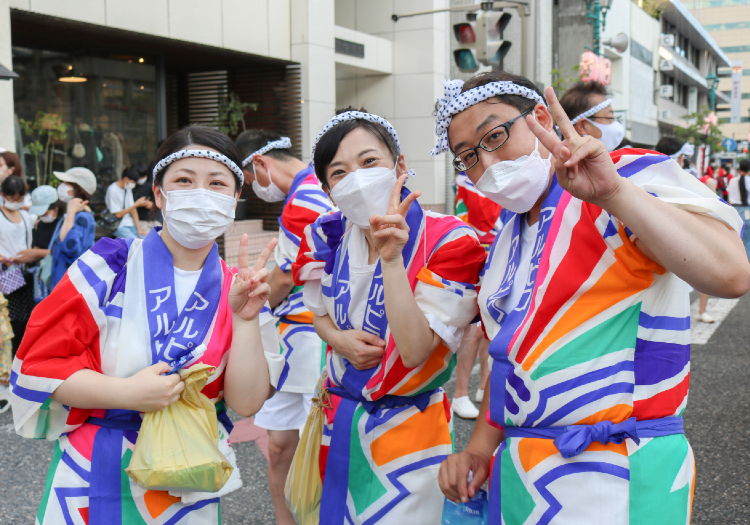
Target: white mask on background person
195,218
15,206
364,193
517,184
65,192
270,193
48,218
612,134
130,185
142,181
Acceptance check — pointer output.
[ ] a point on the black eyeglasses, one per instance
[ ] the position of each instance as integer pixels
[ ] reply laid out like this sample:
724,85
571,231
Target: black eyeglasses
492,140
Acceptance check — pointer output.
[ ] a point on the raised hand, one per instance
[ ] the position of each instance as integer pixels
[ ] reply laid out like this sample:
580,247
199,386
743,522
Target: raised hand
583,165
249,292
75,205
390,232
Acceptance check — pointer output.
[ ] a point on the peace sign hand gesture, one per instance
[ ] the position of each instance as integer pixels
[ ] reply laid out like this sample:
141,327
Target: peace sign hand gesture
583,165
249,292
390,232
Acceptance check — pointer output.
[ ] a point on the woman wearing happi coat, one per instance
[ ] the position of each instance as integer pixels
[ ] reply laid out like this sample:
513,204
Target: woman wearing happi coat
99,350
585,300
392,287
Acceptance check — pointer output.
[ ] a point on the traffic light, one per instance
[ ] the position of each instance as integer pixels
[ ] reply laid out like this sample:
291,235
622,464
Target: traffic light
491,48
466,55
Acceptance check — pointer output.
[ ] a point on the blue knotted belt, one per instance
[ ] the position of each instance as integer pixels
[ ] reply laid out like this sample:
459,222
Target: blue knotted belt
574,439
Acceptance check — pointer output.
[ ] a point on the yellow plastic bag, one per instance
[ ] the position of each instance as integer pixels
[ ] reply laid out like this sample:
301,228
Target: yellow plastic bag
177,447
304,488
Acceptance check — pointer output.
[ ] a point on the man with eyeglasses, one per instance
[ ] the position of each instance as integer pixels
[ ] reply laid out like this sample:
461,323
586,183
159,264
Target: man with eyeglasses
589,107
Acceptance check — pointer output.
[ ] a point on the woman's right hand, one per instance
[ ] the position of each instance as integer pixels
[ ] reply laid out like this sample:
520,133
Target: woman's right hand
454,475
149,391
362,349
76,205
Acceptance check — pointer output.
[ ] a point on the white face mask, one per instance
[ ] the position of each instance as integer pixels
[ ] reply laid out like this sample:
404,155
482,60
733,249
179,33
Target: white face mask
612,134
50,217
142,181
195,218
130,186
364,193
517,184
270,193
65,192
15,206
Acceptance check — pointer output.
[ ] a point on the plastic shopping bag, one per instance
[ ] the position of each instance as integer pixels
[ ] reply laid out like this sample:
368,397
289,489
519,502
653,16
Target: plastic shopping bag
474,512
304,488
177,447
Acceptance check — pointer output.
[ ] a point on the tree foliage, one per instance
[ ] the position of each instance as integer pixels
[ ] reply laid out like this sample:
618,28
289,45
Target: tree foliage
44,130
231,114
700,130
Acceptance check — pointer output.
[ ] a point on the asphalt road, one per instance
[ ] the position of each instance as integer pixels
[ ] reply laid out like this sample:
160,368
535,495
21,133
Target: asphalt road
717,423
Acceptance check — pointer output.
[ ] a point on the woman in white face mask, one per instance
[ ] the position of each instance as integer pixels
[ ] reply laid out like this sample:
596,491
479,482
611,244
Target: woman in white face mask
392,287
130,312
585,302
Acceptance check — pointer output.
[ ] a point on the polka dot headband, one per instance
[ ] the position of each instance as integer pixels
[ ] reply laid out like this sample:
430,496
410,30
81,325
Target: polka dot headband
202,153
357,115
282,143
593,111
453,102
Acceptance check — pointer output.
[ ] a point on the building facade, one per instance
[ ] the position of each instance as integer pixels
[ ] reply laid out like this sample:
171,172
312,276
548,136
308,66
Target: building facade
728,23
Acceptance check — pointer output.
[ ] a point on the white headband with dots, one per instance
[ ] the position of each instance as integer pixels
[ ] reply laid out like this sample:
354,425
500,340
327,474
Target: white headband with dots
356,115
453,102
593,111
282,143
202,153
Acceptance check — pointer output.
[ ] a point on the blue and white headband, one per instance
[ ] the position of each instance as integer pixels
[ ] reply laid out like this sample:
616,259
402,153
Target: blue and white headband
592,111
282,143
356,115
202,153
453,102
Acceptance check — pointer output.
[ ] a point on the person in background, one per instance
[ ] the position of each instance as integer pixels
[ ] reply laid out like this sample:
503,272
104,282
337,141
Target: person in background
120,202
589,106
485,218
49,211
10,164
723,177
276,174
680,151
78,226
16,227
148,215
738,197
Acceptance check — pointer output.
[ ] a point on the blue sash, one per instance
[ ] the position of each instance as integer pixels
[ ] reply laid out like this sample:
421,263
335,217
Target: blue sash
511,321
174,337
574,439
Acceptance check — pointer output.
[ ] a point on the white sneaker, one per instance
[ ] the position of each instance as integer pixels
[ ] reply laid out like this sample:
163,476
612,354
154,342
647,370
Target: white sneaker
4,398
463,407
705,318
480,396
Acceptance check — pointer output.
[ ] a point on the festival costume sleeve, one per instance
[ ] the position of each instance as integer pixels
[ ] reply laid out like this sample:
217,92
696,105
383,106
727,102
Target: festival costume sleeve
477,211
269,336
312,294
307,204
62,337
446,288
314,249
663,178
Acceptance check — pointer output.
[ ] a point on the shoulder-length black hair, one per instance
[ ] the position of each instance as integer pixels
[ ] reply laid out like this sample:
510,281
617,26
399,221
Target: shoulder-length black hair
198,136
13,186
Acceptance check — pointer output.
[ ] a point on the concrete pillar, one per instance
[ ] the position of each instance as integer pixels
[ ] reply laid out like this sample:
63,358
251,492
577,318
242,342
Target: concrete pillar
312,23
7,135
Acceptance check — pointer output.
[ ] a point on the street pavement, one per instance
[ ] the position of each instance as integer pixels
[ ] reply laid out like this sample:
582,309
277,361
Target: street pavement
717,423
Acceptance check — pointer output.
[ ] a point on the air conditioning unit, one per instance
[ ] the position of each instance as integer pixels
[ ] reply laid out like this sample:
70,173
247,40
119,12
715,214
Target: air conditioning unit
667,40
665,114
666,91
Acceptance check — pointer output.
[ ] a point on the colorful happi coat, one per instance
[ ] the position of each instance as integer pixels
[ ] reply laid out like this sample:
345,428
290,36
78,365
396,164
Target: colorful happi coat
601,334
115,313
477,211
300,345
389,427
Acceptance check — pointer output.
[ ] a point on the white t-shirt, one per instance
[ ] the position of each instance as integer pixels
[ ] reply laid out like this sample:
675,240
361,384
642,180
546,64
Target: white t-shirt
15,238
117,199
492,280
733,190
184,284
